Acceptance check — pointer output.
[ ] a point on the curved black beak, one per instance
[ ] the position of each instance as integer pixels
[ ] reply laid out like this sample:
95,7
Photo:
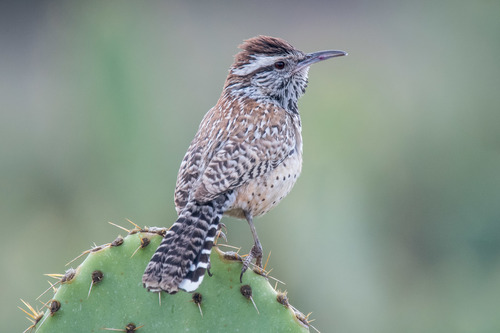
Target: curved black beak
314,57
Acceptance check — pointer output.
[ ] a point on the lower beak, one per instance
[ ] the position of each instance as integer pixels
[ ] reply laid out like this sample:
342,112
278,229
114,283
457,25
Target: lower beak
314,57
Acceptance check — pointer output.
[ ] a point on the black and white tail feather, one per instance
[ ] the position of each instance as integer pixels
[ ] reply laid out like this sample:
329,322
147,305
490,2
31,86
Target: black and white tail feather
181,260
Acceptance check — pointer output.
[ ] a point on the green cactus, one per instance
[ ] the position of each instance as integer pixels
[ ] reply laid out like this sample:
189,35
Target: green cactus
105,292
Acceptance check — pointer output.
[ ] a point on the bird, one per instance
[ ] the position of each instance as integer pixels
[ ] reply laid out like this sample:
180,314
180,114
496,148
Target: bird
244,159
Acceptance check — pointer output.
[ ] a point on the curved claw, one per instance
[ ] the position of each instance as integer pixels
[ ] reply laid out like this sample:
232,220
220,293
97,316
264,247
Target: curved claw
208,268
220,233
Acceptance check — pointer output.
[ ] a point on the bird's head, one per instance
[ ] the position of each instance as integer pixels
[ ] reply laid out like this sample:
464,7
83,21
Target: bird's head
269,68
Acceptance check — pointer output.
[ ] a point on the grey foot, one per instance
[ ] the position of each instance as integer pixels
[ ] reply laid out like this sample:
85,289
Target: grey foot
256,253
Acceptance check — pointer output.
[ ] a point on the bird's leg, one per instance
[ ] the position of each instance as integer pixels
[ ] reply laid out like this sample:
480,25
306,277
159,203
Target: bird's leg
256,251
221,234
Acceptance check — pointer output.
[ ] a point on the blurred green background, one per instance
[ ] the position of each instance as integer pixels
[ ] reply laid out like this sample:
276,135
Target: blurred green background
394,225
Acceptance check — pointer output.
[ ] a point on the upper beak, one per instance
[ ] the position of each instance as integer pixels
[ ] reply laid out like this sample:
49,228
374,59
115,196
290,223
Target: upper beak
314,57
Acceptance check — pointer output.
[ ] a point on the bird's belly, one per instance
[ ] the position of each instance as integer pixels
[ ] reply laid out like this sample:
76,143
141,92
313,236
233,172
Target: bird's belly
263,193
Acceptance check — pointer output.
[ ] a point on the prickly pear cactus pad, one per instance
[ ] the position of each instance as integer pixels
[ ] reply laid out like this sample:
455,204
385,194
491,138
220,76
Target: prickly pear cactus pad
105,292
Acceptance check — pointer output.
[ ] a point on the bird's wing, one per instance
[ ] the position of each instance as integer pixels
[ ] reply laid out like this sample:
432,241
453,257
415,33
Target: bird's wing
256,145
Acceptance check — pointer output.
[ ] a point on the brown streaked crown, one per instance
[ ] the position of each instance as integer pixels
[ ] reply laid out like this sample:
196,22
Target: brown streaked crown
264,45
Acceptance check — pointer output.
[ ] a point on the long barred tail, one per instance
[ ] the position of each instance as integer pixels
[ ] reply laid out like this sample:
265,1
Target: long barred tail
183,256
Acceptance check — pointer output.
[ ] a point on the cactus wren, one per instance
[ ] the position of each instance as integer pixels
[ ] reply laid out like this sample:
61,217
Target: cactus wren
245,158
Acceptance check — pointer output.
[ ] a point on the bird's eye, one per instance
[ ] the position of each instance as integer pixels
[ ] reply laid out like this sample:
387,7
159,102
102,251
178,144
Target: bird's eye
279,64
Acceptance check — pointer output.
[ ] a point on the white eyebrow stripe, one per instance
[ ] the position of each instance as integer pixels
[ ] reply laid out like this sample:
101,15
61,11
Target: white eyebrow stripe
257,62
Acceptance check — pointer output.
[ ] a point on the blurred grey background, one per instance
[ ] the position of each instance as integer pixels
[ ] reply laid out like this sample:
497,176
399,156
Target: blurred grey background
394,225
